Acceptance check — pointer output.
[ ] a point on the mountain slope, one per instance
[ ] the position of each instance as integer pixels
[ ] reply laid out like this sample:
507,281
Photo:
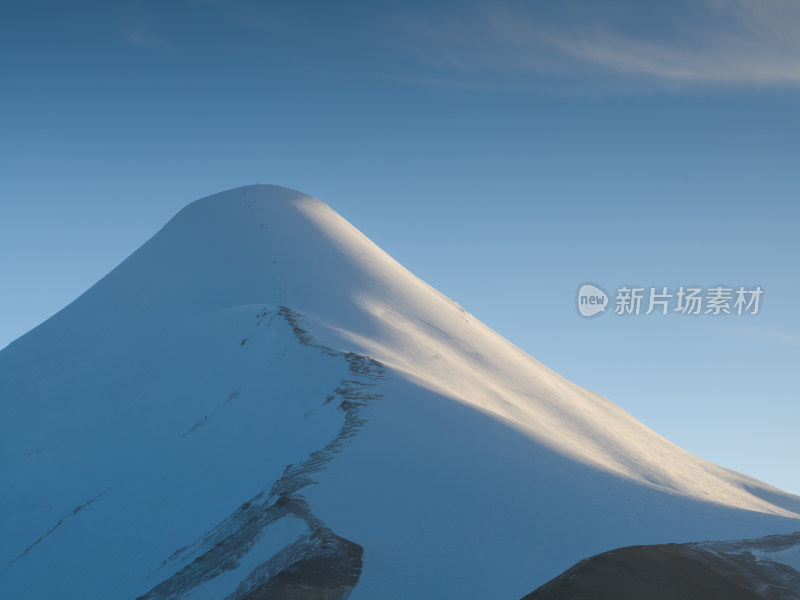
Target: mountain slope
260,388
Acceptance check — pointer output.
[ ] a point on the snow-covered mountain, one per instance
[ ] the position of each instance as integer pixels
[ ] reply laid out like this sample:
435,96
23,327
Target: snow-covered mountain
261,403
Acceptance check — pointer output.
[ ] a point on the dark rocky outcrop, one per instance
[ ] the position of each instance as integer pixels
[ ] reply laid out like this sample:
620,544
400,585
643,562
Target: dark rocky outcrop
697,571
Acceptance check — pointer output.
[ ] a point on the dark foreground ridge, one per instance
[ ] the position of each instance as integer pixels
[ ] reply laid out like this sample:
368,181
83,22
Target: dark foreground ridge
738,570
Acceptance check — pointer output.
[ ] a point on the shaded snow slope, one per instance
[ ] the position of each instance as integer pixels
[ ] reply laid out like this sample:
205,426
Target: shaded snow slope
259,387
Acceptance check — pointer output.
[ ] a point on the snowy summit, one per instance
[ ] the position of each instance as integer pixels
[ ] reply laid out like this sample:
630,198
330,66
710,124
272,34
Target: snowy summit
260,402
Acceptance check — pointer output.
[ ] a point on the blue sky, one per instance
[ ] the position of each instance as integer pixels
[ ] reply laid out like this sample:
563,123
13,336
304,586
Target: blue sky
505,152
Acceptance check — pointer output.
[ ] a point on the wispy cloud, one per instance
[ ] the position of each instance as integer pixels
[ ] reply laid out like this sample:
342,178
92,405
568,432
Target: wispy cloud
249,14
687,43
143,39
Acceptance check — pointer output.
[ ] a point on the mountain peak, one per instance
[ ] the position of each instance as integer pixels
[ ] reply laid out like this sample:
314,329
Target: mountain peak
261,194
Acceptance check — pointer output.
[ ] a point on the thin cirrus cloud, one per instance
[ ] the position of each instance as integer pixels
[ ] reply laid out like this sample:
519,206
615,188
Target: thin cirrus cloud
683,44
142,39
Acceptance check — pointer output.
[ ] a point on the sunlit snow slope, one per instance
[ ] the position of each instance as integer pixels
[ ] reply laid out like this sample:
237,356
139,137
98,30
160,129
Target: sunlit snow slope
260,401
